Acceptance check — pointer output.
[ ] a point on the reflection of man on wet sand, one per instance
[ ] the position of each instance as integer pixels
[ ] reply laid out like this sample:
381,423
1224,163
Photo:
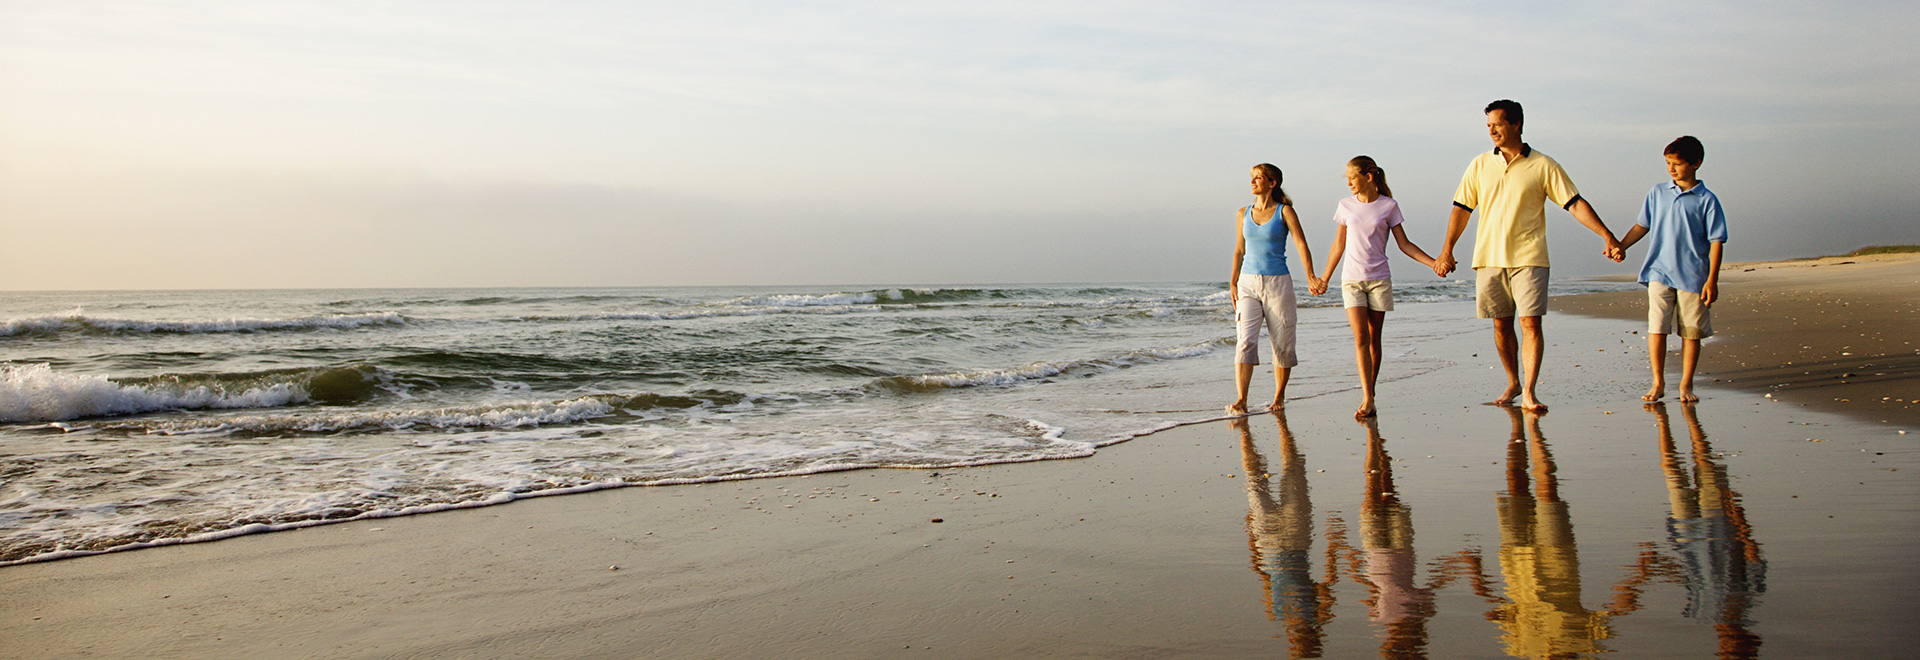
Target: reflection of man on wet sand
1543,617
1708,529
1280,535
1386,533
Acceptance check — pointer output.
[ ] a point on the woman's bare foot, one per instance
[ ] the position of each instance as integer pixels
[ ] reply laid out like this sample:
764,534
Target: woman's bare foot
1506,399
1237,408
1687,395
1654,393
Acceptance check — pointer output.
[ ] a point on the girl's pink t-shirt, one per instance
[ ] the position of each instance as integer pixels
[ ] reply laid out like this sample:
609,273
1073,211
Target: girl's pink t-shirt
1368,226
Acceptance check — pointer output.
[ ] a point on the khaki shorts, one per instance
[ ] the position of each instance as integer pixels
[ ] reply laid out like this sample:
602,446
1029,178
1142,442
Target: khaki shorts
1508,292
1266,300
1376,295
1668,307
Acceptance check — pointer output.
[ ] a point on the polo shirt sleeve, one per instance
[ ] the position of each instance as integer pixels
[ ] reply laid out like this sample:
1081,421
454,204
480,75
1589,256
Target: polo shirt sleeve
1468,195
1716,220
1559,187
1647,208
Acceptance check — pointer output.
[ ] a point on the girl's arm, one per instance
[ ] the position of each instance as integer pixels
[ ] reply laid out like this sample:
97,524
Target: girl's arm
1336,252
1300,240
1407,246
1239,253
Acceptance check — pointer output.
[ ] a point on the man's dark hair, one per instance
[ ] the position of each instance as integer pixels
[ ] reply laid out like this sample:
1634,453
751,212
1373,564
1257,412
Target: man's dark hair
1510,110
1688,148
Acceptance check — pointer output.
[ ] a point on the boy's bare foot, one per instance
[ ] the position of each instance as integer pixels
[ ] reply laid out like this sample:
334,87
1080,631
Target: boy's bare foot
1687,395
1654,393
1237,408
1532,405
1506,399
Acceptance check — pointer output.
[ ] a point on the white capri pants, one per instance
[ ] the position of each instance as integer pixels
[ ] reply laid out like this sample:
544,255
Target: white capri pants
1265,300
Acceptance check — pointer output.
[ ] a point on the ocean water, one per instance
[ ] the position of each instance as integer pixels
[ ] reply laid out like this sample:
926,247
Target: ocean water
131,419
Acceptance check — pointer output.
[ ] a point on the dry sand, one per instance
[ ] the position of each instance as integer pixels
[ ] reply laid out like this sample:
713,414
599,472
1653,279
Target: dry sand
1150,549
1838,333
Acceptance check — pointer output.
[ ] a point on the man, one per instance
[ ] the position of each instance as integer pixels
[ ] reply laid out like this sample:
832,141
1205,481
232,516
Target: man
1509,187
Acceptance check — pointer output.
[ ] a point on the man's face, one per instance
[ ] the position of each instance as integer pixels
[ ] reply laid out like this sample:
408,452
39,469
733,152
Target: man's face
1501,131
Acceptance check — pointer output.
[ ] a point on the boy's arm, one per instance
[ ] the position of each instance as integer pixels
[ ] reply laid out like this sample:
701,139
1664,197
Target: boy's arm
1711,289
1407,246
1584,212
1633,236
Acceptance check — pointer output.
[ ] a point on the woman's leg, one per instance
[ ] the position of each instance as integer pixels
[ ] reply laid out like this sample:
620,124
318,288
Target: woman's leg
1248,317
1282,312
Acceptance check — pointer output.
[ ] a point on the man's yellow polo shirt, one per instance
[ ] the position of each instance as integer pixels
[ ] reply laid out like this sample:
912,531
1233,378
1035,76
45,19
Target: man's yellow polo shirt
1511,199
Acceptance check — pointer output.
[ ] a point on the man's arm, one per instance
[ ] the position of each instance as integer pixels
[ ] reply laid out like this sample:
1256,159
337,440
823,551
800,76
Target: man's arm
1584,212
1456,225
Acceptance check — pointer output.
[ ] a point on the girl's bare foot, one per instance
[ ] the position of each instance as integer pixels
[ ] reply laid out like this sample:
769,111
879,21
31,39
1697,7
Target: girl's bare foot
1654,393
1237,408
1364,412
1687,395
1532,405
1506,399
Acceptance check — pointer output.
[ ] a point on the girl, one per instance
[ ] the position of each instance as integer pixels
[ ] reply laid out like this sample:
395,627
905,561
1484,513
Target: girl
1261,287
1364,221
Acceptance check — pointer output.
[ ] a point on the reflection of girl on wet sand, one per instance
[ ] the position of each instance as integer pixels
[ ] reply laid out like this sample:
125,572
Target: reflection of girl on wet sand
1280,536
1386,533
1721,563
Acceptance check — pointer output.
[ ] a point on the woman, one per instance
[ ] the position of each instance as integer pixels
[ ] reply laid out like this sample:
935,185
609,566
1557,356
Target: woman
1261,286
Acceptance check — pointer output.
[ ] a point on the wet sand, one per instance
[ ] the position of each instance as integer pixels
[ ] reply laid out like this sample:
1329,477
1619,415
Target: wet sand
1839,333
1742,526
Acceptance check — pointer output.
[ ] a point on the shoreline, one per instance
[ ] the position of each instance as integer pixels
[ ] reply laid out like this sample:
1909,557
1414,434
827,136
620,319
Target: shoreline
1778,332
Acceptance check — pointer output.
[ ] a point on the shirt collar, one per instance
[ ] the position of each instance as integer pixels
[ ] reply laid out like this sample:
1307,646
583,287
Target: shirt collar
1525,150
1675,188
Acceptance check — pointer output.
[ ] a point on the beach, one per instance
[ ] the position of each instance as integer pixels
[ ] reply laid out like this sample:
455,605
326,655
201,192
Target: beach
1447,528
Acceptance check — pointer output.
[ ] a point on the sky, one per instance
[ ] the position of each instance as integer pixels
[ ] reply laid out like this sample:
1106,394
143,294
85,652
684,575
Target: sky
352,143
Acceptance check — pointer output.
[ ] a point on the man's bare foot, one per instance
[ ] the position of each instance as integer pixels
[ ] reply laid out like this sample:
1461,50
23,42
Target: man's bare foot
1279,402
1237,408
1532,405
1654,393
1506,399
1687,395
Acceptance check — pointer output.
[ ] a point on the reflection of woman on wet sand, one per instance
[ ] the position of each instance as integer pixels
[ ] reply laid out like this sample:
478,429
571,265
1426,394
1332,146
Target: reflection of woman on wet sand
1708,529
1280,535
1386,533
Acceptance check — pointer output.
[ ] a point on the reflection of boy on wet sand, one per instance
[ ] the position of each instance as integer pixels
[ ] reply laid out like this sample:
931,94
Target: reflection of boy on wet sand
1386,533
1280,536
1708,529
1543,617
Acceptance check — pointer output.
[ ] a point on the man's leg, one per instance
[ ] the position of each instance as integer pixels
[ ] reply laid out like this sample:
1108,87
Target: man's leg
1532,347
1508,346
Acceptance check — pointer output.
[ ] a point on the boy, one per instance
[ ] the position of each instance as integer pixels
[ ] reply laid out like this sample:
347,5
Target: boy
1682,272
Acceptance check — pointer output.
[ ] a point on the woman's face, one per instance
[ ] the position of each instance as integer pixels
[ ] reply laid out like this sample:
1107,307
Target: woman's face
1260,184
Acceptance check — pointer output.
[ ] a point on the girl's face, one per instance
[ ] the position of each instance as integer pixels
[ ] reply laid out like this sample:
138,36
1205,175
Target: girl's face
1261,185
1359,184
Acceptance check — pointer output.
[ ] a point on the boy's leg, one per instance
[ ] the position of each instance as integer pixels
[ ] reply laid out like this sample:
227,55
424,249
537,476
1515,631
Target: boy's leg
1661,300
1689,358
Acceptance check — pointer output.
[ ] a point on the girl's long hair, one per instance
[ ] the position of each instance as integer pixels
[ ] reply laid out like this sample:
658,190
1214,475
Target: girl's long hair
1372,169
1274,173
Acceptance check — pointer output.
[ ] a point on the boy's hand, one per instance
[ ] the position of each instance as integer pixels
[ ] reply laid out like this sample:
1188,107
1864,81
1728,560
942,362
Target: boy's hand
1709,292
1615,250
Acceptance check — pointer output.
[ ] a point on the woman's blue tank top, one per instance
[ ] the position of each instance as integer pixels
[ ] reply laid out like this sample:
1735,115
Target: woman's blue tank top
1266,244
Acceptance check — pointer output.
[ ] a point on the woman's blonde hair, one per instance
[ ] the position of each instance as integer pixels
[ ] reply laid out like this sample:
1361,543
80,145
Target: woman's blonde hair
1274,173
1372,169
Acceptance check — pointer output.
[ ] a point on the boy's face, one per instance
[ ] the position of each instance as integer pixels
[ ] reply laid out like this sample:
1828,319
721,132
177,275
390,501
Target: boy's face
1681,170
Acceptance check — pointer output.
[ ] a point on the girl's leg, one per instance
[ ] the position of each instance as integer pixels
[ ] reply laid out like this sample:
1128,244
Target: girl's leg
1358,319
1376,320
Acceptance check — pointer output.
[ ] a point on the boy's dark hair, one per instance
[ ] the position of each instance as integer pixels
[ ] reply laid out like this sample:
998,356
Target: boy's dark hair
1688,148
1510,110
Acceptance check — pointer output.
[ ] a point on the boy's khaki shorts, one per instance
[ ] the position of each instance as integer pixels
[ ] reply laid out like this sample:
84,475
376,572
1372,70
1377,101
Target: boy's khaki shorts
1503,293
1668,307
1372,294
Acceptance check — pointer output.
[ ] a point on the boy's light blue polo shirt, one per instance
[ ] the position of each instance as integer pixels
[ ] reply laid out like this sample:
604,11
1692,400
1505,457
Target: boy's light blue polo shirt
1681,225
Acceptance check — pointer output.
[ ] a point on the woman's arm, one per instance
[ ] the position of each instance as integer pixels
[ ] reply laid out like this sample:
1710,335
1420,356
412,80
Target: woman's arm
1239,253
1300,240
1407,246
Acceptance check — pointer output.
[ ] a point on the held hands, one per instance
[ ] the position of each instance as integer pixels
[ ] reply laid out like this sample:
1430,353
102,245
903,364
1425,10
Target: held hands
1615,250
1315,285
1444,264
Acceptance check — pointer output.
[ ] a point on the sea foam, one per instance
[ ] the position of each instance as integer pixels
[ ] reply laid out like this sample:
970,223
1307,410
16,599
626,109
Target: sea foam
79,323
37,393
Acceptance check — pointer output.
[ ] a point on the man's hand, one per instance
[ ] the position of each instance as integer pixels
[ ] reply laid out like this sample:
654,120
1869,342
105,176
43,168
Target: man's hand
1444,264
1615,250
